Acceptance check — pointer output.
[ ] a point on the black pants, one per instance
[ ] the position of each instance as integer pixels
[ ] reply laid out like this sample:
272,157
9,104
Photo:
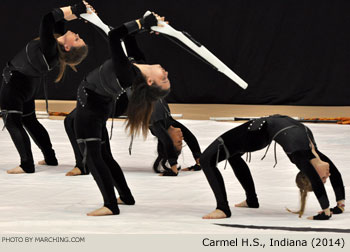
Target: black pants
165,147
90,124
231,146
69,127
239,141
18,110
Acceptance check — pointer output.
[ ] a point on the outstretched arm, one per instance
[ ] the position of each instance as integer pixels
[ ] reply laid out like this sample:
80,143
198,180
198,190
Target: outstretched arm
131,45
337,184
305,166
122,67
133,49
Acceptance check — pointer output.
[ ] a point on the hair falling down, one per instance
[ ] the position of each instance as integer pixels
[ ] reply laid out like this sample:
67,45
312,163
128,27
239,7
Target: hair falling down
304,185
141,105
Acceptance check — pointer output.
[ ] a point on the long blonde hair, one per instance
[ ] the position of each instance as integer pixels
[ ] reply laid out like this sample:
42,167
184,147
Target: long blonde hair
72,58
304,185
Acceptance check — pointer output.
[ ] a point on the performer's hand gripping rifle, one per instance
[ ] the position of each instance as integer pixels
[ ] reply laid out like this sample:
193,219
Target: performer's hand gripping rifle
184,40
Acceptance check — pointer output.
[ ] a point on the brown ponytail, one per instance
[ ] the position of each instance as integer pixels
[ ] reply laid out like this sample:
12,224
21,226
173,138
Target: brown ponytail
71,58
304,185
141,105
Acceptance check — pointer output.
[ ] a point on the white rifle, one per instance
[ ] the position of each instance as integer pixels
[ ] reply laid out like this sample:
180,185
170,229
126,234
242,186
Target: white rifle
199,50
186,39
94,19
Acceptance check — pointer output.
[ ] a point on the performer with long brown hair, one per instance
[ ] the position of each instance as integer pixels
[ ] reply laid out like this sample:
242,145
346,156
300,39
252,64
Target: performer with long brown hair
101,95
25,73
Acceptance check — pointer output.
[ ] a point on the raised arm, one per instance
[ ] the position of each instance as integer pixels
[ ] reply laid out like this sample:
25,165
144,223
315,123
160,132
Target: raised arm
131,45
133,49
123,68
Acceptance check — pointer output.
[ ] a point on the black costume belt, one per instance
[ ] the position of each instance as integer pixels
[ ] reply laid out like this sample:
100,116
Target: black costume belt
273,138
84,141
5,114
222,145
6,77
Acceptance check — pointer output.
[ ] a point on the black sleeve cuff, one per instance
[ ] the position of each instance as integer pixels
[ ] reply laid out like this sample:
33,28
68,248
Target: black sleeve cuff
78,9
132,27
148,21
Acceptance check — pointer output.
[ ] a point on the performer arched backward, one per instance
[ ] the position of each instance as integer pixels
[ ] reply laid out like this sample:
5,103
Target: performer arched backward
24,74
296,140
98,94
170,134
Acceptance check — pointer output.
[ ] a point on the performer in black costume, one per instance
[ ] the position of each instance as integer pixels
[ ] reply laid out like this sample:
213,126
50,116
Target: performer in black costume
100,93
161,121
296,140
119,110
23,75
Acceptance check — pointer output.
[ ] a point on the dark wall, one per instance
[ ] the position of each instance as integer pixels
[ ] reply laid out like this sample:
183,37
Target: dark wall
292,52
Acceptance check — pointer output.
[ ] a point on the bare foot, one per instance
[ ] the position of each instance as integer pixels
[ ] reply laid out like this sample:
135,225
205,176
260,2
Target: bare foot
74,172
216,214
42,162
242,204
120,202
17,170
100,212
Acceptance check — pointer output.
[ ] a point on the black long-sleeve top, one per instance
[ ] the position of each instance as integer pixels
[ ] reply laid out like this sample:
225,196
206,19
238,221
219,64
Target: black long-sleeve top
283,129
41,55
52,23
115,76
294,137
123,65
117,73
